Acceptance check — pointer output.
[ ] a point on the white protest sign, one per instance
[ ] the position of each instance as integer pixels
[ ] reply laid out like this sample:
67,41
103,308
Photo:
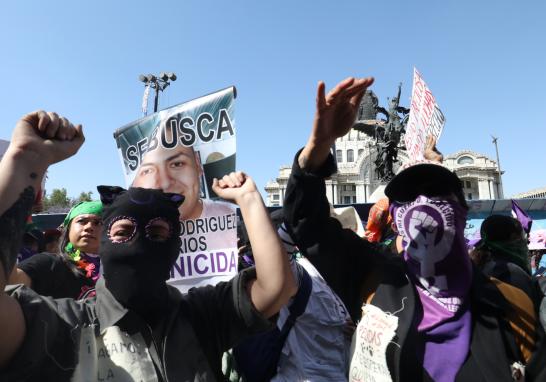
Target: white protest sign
181,150
373,334
113,356
425,118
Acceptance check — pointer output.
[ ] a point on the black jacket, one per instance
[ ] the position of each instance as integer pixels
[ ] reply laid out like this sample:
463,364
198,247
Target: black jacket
355,269
186,346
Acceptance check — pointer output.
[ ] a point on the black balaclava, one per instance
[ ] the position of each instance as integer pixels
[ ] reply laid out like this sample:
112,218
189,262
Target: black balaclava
136,269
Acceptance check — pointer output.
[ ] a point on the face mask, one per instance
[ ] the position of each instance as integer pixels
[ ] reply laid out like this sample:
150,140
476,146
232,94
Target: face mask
516,251
434,245
136,260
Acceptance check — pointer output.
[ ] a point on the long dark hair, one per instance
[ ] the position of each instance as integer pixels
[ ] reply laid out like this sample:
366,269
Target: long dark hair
61,251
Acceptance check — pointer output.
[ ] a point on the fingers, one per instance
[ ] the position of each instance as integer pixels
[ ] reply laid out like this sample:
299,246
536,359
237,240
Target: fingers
431,142
215,186
359,88
43,120
321,100
335,93
79,133
349,88
232,180
66,130
53,125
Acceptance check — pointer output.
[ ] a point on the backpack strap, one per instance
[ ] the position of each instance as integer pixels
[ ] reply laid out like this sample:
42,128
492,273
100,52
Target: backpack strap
522,317
257,357
299,304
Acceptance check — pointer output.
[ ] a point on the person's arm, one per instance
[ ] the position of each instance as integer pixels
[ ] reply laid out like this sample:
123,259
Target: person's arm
305,208
341,256
274,284
38,140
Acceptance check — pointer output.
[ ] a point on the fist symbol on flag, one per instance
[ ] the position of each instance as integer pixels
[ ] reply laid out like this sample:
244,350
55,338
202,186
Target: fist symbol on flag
428,242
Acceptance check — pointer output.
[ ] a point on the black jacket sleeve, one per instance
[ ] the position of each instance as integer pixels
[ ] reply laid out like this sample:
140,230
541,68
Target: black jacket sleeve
340,255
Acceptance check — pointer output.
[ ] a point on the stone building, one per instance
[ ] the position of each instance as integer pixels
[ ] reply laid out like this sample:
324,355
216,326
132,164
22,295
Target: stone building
480,174
356,180
533,194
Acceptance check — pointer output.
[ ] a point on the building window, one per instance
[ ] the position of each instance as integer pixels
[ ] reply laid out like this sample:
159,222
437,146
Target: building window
468,185
469,196
346,200
275,196
350,155
465,160
354,199
339,156
360,152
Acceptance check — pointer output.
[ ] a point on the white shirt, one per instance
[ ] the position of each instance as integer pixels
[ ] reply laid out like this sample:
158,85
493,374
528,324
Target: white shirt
316,348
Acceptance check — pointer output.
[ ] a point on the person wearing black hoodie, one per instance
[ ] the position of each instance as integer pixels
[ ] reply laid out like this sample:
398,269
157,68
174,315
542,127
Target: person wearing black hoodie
137,327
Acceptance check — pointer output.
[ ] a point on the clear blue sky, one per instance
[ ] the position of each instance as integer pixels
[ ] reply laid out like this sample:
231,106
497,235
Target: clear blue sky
484,61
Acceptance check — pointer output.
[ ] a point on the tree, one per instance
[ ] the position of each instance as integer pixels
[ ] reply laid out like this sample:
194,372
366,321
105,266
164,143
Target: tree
58,201
84,197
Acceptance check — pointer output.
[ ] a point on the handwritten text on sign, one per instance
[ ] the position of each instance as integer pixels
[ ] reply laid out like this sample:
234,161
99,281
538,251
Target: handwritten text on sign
425,118
373,334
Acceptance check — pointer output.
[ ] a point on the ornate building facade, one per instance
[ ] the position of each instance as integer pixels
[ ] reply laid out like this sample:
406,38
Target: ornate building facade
533,194
480,174
356,180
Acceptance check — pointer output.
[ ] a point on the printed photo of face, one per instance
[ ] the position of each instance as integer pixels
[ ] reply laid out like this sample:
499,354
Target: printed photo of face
176,170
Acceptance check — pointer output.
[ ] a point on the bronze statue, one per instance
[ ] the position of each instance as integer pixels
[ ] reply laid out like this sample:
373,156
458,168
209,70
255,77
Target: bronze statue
387,132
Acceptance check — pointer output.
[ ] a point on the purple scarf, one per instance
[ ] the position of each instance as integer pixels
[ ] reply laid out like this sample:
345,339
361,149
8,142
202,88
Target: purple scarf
439,266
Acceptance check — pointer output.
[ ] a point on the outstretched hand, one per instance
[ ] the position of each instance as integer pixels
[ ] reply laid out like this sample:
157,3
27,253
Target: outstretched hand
431,152
234,186
50,137
336,111
334,117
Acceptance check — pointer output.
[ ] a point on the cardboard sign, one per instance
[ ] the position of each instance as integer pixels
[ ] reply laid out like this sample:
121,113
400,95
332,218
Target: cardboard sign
425,118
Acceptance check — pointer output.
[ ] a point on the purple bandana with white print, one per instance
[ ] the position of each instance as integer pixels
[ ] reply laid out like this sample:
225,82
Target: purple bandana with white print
438,263
435,248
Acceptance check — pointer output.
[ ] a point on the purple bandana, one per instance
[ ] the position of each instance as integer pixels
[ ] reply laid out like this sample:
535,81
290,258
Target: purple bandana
438,263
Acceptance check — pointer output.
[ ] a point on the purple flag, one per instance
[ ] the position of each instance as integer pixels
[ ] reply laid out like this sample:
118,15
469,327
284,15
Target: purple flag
523,218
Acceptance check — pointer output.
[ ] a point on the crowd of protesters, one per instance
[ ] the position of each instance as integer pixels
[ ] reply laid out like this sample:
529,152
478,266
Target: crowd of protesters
406,300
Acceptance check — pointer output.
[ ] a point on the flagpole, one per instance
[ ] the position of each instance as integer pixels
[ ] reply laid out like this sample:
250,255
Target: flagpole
498,164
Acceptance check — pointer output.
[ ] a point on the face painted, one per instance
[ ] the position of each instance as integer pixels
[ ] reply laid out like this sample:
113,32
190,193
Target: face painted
140,242
432,231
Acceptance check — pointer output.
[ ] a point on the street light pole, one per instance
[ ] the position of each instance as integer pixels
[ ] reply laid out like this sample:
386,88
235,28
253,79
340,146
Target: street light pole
157,83
495,139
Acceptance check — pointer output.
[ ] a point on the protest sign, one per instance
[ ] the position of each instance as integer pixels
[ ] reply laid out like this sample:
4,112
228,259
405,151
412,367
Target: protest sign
425,118
181,150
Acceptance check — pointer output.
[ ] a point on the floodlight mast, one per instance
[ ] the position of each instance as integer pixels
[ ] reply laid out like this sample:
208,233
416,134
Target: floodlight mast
159,83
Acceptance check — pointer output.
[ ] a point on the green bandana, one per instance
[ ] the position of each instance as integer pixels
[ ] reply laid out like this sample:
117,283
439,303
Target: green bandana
515,251
83,208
